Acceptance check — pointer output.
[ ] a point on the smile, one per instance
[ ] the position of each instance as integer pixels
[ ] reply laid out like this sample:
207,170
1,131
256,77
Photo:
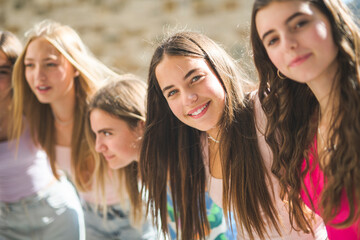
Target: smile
200,111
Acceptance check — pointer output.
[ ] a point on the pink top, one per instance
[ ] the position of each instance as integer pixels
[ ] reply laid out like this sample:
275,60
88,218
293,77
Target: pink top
63,160
314,182
23,172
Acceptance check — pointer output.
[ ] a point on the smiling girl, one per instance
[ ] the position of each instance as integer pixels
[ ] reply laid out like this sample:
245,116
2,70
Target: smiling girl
307,54
203,133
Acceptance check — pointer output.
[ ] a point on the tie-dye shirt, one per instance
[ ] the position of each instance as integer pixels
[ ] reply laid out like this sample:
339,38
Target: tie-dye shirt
215,215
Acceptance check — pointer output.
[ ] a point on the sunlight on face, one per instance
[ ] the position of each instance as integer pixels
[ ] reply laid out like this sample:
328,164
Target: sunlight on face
49,74
298,40
194,93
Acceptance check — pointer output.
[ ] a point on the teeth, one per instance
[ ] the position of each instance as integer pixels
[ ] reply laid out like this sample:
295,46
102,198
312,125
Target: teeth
43,88
199,111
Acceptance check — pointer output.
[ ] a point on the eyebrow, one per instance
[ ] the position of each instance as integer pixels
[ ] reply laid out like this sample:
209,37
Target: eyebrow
286,22
44,60
185,77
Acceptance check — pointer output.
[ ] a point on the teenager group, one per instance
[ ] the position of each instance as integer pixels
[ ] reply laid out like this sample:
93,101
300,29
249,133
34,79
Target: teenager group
200,151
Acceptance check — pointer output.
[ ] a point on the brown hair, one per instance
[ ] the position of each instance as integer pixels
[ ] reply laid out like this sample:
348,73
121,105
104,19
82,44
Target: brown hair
290,133
172,152
123,98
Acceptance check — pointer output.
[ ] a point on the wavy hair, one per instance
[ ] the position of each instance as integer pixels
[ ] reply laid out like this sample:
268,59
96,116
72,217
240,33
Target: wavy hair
40,116
123,98
172,152
290,133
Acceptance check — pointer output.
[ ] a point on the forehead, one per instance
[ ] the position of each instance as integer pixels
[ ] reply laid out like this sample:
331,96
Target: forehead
100,119
173,69
40,47
276,13
100,116
179,65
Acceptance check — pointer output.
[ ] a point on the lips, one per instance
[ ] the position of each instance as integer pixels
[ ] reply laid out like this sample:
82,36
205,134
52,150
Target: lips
299,60
199,111
108,157
43,89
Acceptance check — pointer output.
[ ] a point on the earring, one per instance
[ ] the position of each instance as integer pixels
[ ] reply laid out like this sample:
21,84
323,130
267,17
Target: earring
280,75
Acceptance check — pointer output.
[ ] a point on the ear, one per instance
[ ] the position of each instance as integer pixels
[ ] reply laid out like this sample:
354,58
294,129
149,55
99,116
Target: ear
77,73
139,130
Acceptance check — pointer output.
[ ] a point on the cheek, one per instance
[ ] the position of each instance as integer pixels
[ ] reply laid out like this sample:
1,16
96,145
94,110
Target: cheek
5,83
275,58
176,109
28,76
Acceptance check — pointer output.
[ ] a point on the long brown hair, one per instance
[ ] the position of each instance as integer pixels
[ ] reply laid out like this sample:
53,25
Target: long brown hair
172,152
40,116
290,108
125,99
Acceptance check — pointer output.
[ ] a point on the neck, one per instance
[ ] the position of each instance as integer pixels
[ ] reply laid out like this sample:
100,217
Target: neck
325,89
63,111
213,135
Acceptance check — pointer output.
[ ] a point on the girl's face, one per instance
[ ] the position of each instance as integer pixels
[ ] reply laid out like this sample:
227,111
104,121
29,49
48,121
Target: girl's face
5,75
298,40
49,74
115,140
192,90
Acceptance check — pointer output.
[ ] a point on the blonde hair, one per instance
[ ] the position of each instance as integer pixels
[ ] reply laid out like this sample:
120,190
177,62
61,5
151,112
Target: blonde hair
123,98
40,116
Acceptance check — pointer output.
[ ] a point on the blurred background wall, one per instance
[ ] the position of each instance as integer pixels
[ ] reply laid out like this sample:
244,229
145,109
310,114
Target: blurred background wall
122,33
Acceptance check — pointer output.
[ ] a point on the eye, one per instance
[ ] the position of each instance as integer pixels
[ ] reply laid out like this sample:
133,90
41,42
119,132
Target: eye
4,72
272,41
196,78
29,65
300,24
105,133
171,93
51,64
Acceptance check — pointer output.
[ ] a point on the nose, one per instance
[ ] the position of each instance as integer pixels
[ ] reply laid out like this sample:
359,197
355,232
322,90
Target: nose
39,73
190,98
290,41
99,145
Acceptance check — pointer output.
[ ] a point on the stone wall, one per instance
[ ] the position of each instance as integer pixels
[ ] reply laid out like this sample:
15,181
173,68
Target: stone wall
122,33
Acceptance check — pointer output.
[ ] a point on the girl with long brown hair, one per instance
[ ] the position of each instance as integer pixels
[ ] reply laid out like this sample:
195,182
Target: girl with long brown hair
203,133
307,55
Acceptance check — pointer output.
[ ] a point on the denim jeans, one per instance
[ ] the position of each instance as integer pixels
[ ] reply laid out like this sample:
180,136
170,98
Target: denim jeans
54,213
116,226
